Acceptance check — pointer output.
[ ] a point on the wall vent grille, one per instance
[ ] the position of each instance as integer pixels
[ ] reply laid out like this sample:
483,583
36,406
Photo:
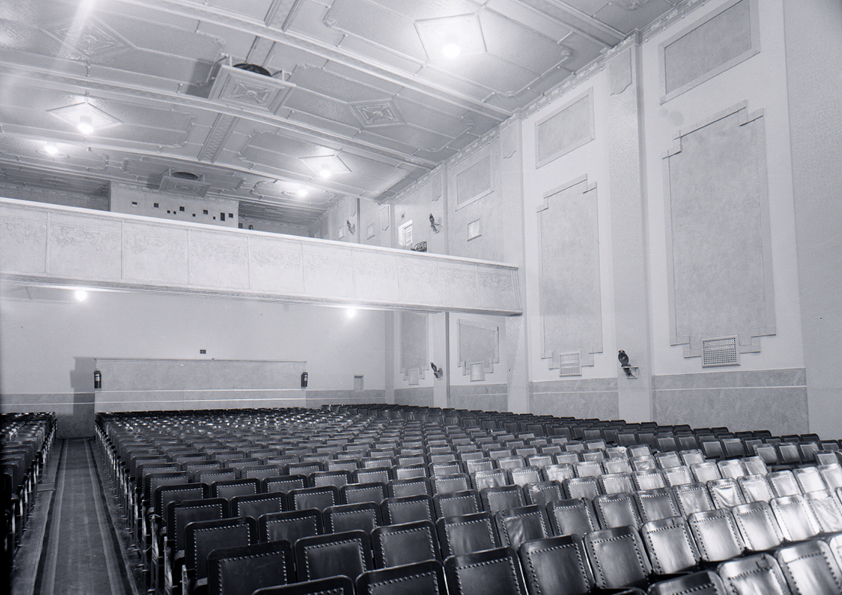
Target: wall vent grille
569,364
721,351
477,372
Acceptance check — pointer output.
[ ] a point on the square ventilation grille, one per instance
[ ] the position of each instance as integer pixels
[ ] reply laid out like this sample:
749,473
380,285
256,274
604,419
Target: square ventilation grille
569,364
721,351
477,371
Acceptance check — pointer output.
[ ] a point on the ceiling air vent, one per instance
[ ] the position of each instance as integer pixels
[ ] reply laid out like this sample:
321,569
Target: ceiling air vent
255,68
721,351
183,182
249,85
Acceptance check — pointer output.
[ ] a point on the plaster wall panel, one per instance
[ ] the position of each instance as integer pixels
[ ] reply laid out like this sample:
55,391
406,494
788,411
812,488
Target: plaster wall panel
570,305
376,276
218,260
756,84
23,241
741,400
84,247
458,283
482,397
497,288
477,342
154,253
581,397
328,271
419,281
414,346
419,396
566,129
719,252
275,266
695,55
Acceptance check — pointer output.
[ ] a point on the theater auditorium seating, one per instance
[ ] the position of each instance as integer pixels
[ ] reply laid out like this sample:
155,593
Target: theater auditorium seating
480,502
26,441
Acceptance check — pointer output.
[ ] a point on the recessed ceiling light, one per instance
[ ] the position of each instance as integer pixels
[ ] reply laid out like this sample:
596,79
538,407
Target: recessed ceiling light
451,50
81,295
350,312
84,125
301,192
50,149
325,173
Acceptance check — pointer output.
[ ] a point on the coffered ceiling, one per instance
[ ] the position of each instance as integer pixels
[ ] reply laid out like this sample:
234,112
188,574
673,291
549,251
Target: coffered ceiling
352,97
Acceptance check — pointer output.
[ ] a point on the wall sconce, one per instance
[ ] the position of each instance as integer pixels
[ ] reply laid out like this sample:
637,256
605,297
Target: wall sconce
631,371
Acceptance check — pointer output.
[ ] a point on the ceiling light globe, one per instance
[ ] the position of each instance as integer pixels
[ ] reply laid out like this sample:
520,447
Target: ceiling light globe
451,50
325,173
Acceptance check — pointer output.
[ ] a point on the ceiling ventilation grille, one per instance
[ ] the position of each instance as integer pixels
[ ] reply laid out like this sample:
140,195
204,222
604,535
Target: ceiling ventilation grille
569,364
250,85
184,183
721,351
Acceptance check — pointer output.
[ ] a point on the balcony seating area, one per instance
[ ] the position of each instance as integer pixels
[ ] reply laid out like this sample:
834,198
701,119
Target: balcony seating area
381,499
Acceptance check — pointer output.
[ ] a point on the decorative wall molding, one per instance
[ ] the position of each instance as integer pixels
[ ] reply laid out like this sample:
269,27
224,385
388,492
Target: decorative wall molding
565,129
414,351
477,343
719,257
570,295
704,50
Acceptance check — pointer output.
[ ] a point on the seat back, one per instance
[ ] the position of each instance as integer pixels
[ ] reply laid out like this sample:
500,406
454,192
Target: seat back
758,526
618,558
795,518
648,479
755,488
556,565
616,510
517,525
284,483
692,498
356,493
235,487
676,476
468,533
490,572
827,510
783,483
716,535
809,479
181,514
457,503
178,492
290,526
705,472
543,492
415,486
725,493
558,472
413,579
318,498
502,498
615,483
396,511
243,569
335,585
697,583
257,505
572,517
397,545
323,556
753,575
810,567
202,537
670,547
447,484
581,487
364,516
656,504
492,478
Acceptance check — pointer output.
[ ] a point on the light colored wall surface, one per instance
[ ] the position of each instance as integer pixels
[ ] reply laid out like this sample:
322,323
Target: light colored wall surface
814,77
774,400
48,344
583,398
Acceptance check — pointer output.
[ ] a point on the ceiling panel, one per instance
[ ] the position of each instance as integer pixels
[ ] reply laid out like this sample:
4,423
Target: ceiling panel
364,81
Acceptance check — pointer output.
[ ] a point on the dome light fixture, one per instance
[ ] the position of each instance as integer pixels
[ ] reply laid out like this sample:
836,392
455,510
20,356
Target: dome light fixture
84,125
81,295
451,50
325,173
50,149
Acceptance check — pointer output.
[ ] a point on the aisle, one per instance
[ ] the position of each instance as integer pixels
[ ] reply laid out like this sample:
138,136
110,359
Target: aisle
79,554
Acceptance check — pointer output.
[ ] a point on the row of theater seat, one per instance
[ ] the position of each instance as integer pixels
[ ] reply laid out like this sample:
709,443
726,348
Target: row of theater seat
499,458
26,440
